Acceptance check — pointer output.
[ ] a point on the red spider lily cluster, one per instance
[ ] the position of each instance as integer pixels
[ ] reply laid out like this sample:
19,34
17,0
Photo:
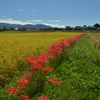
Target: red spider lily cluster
37,64
13,90
22,81
54,81
43,98
21,86
28,75
24,97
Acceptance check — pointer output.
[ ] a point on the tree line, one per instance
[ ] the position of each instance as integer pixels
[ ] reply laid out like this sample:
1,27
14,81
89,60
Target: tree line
97,25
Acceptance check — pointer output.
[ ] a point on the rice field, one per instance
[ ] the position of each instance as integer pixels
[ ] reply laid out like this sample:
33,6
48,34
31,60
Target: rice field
14,47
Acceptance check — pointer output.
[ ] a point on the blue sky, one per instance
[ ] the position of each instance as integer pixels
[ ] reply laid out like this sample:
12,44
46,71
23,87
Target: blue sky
59,13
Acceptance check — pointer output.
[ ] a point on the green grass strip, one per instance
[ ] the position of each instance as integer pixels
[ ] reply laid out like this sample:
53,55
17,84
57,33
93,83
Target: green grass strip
79,72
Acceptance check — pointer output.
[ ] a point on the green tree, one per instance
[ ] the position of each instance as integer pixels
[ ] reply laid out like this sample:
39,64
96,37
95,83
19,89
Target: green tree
1,29
12,29
84,26
97,25
4,28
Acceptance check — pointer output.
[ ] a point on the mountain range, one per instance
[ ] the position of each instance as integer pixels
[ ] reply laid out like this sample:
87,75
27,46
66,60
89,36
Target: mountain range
27,26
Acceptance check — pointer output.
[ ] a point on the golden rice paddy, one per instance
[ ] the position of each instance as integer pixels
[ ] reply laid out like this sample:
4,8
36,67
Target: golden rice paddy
14,47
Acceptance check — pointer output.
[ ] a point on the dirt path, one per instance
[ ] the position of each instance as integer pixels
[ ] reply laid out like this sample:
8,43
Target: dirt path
95,35
96,38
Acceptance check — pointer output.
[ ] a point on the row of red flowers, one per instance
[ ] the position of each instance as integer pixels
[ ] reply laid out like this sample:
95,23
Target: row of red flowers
38,67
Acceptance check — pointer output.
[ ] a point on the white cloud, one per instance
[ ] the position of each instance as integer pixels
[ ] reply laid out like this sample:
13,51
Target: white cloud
33,10
22,9
35,21
54,25
54,20
12,21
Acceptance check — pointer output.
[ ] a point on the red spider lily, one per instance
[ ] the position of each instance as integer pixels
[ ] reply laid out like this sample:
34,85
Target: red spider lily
51,51
66,50
62,40
54,81
13,90
60,44
56,45
33,69
55,51
23,81
30,57
28,75
43,98
30,61
50,56
66,43
24,97
38,64
21,86
43,58
47,69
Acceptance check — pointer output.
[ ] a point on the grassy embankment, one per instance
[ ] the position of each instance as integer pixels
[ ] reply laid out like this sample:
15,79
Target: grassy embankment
79,73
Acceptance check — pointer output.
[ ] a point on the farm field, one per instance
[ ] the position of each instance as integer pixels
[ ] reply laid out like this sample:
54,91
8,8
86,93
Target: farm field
95,35
77,76
14,47
96,38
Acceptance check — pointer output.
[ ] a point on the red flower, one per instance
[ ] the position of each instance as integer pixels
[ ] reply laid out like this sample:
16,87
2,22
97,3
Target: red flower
30,57
47,69
50,56
38,63
42,58
51,51
13,90
21,86
22,80
57,50
61,39
24,97
66,50
54,81
28,75
43,98
34,69
56,45
66,43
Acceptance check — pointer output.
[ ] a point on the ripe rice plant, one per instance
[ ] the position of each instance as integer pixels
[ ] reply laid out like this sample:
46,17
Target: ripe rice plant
14,47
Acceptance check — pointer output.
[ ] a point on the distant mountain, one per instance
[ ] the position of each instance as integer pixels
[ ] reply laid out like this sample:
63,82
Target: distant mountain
37,26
